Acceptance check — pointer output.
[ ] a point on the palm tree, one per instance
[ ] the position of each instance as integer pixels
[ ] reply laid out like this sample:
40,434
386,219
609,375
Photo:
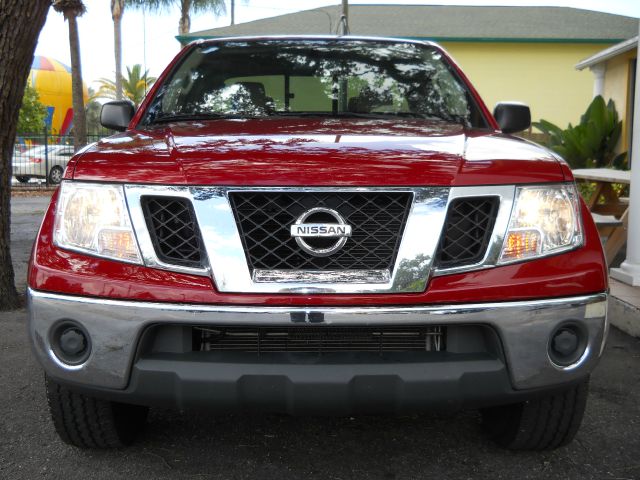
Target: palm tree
117,10
187,7
72,9
184,26
135,85
20,26
196,6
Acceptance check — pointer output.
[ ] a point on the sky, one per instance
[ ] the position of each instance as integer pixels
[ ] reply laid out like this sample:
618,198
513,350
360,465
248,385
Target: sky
149,37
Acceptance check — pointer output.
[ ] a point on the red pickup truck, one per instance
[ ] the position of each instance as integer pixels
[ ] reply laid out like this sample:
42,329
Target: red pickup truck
317,225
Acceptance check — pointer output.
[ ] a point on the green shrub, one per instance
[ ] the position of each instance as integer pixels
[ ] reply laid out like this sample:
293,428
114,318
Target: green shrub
591,143
32,113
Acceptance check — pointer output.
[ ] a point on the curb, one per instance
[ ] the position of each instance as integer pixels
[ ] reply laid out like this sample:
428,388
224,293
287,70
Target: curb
624,316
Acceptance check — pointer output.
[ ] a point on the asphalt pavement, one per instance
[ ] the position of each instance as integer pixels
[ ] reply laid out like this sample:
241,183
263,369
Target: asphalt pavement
26,215
201,445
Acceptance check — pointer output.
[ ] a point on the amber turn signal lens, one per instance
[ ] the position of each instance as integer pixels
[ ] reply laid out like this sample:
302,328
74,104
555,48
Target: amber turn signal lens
521,244
117,244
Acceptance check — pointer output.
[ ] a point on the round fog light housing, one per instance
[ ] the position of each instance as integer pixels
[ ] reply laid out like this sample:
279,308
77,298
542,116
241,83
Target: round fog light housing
70,342
567,344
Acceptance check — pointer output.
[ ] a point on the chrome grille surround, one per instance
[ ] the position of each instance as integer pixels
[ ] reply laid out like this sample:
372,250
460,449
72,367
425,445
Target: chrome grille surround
230,271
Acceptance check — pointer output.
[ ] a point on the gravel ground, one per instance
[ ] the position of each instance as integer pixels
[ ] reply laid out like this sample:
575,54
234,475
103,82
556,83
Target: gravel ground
196,445
27,211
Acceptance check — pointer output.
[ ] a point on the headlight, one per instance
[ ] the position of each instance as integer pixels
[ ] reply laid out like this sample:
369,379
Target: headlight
544,220
93,218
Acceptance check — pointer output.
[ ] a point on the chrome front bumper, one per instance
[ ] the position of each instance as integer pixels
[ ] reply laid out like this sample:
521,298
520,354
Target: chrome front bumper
115,328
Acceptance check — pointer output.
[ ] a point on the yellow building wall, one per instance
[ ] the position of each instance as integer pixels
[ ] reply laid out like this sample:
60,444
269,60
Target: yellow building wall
617,88
542,75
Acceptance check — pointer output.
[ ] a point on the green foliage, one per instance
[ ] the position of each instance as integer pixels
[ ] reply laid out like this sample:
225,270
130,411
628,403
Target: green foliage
32,113
217,6
135,86
187,7
93,109
591,143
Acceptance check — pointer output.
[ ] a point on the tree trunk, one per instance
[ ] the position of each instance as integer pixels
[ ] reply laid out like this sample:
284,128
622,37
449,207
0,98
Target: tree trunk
184,26
77,93
20,25
117,9
233,12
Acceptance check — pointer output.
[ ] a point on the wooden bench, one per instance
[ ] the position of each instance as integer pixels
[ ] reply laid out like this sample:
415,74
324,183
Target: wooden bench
607,225
604,221
609,211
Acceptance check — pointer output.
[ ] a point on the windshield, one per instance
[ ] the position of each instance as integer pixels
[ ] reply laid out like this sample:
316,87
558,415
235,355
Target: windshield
248,79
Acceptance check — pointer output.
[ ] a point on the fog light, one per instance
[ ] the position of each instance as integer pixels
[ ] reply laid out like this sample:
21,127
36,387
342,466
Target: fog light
567,344
70,342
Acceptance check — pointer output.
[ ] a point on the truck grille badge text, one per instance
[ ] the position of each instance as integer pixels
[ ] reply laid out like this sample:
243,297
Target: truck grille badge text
315,236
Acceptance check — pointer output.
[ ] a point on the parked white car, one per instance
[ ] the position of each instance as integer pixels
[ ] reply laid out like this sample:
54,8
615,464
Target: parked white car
36,162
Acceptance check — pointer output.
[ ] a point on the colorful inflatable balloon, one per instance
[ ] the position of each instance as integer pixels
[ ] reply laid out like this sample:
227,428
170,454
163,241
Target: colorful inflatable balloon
52,80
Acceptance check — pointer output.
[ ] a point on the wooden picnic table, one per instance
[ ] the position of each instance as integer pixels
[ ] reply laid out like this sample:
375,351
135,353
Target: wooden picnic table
608,209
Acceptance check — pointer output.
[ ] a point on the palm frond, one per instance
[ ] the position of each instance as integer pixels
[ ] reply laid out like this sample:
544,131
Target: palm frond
134,85
151,5
218,7
75,8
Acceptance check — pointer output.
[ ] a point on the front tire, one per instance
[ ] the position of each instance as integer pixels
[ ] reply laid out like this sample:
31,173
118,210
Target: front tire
543,423
88,422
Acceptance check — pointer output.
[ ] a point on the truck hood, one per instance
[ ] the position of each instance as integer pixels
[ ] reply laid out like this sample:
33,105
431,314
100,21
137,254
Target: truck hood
316,152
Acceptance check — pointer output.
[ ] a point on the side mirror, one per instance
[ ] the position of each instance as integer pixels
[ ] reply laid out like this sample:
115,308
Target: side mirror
117,115
512,116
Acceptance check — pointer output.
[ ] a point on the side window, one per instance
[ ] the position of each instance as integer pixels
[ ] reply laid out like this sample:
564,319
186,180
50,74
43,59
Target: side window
307,94
310,94
370,93
268,89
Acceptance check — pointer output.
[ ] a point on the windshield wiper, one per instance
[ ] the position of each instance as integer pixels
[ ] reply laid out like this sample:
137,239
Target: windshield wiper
451,118
186,117
334,115
457,119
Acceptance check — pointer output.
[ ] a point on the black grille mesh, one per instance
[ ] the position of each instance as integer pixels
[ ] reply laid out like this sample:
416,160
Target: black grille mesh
377,220
467,231
319,339
173,230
